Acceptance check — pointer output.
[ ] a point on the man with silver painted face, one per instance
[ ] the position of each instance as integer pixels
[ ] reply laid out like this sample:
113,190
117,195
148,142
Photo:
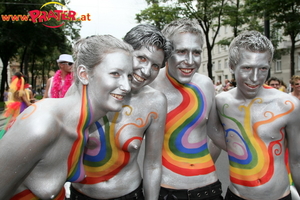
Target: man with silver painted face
111,155
258,121
44,147
188,166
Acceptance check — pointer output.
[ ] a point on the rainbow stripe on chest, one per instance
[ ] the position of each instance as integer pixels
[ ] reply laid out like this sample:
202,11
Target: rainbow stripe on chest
254,164
180,155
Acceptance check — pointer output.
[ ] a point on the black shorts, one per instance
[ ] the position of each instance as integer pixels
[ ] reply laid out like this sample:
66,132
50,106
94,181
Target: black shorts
231,196
136,194
209,192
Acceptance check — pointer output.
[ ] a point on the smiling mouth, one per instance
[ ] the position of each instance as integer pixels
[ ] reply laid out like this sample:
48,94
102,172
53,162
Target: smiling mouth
118,96
186,71
138,78
252,86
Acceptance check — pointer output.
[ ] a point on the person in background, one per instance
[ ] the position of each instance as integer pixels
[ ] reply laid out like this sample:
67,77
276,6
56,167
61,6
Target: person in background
295,84
226,85
58,85
274,82
258,121
44,147
188,161
283,87
142,119
218,87
18,100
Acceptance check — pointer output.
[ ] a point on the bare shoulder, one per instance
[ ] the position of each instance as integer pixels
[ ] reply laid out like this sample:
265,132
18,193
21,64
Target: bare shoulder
203,79
205,83
38,120
153,96
225,96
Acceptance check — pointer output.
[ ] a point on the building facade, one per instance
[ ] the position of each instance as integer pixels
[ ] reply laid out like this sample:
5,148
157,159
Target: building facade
280,67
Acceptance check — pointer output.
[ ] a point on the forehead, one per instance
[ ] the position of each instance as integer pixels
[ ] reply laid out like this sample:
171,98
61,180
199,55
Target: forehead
151,52
118,59
186,40
253,59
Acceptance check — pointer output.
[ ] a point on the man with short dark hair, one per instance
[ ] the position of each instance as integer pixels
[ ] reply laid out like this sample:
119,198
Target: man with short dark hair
274,82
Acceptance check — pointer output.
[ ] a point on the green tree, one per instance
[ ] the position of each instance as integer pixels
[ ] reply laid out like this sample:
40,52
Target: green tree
30,43
158,15
283,14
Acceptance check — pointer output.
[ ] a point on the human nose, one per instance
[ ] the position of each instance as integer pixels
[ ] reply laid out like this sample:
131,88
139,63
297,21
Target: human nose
146,69
125,85
254,76
189,59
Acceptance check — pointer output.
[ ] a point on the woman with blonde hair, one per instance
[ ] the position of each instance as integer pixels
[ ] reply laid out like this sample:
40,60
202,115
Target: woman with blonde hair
44,147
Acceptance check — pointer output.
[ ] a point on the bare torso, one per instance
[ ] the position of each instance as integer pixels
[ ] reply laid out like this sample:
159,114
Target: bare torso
115,143
255,136
187,163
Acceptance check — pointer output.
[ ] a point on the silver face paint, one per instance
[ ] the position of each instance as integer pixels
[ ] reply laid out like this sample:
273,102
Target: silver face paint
186,58
113,80
146,65
251,72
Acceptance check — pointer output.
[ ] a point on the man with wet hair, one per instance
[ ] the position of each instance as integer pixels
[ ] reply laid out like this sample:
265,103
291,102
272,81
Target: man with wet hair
188,159
258,121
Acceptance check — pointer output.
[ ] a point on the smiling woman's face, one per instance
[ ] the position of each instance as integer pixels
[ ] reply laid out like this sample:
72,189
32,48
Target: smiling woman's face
251,72
111,80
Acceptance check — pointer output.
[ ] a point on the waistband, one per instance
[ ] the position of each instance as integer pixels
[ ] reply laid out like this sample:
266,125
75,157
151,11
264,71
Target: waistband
231,196
214,189
136,194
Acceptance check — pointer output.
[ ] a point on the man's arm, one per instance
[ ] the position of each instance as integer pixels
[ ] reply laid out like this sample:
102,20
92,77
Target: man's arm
47,88
215,130
293,137
153,151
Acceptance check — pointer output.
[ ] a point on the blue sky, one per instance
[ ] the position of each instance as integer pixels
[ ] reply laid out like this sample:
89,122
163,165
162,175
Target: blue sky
115,17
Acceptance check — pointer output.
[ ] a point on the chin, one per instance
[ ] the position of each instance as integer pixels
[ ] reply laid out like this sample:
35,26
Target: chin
116,107
185,80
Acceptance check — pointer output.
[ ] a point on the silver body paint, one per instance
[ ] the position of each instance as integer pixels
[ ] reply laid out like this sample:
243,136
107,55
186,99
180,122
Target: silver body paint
182,66
34,152
270,118
143,116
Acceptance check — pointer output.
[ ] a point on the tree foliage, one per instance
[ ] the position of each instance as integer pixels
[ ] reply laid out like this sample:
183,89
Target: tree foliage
284,14
30,43
158,15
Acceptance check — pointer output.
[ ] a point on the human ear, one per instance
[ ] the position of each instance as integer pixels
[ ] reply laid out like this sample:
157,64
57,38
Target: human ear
82,74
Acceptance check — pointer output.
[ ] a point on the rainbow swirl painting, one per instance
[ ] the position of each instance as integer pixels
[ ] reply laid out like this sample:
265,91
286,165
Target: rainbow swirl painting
254,166
179,154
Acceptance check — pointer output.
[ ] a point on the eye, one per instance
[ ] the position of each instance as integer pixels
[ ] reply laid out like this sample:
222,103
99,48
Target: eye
142,59
264,69
155,67
115,74
181,52
247,68
197,53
